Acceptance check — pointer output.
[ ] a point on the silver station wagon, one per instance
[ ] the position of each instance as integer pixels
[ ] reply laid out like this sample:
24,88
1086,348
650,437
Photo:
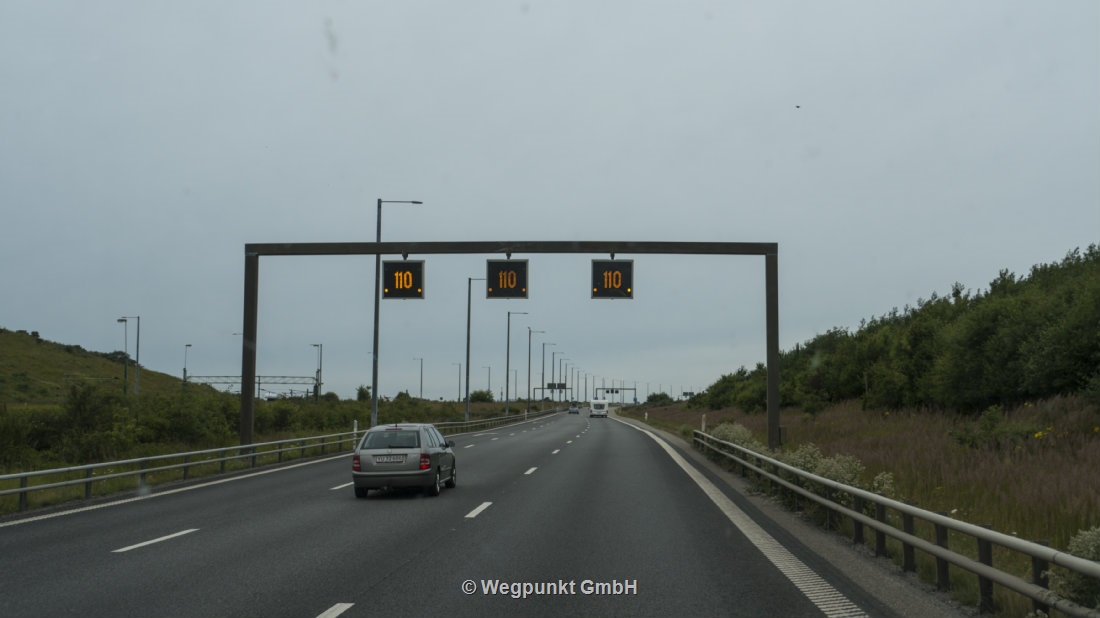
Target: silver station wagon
403,455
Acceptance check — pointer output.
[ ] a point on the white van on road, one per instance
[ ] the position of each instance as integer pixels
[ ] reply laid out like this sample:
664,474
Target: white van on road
599,408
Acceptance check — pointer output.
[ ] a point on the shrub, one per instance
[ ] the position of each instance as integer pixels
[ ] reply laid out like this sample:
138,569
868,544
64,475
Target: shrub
1081,589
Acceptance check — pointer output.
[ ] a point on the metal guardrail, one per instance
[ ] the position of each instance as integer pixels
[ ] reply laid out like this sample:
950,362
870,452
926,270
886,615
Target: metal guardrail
141,467
830,493
255,454
468,426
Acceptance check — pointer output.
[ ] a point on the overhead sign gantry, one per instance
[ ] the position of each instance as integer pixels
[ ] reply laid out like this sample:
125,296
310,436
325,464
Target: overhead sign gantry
507,279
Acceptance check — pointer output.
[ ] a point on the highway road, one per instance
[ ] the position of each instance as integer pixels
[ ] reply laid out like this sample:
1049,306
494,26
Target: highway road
565,516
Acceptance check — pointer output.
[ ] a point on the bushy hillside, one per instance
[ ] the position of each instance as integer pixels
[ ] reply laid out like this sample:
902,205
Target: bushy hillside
36,371
1024,338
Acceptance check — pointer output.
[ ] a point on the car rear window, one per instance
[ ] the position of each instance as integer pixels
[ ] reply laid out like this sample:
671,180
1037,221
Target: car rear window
389,438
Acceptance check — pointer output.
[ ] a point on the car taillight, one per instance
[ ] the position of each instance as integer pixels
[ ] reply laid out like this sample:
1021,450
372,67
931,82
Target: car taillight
425,462
355,464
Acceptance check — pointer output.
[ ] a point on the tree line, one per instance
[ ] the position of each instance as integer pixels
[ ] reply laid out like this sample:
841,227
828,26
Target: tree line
1025,338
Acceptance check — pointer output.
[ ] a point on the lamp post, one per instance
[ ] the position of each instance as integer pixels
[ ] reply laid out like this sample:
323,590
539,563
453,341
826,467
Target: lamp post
553,365
543,377
421,376
488,377
529,333
125,353
137,359
317,380
565,378
561,375
508,356
377,297
469,283
186,347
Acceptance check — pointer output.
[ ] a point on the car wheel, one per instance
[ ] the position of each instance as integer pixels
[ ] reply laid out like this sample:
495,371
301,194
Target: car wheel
361,492
433,489
454,477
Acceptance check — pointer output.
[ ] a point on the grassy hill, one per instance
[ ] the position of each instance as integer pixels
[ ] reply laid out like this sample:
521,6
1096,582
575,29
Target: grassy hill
36,371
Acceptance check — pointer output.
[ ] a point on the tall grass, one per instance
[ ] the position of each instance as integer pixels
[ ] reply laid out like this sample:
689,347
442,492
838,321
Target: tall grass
1030,472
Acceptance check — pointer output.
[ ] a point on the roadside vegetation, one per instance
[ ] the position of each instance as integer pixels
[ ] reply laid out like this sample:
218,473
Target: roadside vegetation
982,406
61,405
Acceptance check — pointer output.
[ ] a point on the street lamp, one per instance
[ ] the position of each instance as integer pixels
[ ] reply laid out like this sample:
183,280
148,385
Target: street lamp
508,356
421,376
543,378
377,293
553,379
488,377
125,353
137,360
529,333
317,381
561,375
186,347
469,284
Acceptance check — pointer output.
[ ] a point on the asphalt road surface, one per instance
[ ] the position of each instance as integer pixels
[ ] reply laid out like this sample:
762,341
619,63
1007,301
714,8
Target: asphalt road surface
565,516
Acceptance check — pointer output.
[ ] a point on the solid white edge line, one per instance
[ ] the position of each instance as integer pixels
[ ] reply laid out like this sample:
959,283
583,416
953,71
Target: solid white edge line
157,540
809,583
335,610
474,513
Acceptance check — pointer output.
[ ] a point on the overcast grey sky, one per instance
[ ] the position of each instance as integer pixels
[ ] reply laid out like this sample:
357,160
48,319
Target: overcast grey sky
889,148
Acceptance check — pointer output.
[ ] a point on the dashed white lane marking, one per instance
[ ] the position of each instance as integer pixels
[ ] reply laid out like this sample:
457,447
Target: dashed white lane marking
335,610
556,451
468,446
341,486
831,602
474,513
158,540
530,471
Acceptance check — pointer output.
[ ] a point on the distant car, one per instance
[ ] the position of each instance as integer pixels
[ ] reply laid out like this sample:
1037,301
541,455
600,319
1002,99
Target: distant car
598,408
574,408
403,455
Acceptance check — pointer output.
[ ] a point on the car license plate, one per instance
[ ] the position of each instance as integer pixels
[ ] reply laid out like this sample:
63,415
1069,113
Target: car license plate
389,459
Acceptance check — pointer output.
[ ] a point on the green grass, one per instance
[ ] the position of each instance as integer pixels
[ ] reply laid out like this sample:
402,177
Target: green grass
36,371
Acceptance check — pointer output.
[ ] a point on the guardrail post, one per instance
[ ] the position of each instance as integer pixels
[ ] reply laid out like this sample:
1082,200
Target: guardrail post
943,581
88,484
141,477
1039,577
880,536
908,561
829,508
985,585
23,494
186,468
857,525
